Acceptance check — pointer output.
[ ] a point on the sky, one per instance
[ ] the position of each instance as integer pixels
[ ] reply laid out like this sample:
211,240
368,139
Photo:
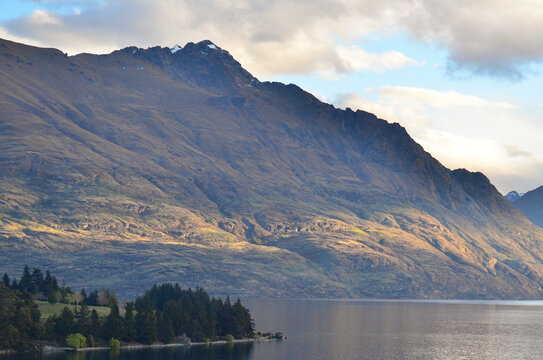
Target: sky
463,77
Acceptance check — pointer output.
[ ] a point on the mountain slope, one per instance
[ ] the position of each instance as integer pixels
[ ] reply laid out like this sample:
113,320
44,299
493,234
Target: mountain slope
531,204
154,165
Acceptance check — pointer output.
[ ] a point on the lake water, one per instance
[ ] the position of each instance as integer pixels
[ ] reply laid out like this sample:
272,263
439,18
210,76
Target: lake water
337,329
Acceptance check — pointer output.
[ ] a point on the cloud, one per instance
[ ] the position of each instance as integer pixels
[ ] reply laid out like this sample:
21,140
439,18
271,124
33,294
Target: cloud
495,37
463,131
354,58
516,151
437,99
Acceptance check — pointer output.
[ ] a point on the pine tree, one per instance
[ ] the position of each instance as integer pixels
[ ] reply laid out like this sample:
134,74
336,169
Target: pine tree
5,279
37,281
165,329
25,284
113,326
146,322
65,323
50,287
92,299
130,333
83,320
19,319
84,295
95,325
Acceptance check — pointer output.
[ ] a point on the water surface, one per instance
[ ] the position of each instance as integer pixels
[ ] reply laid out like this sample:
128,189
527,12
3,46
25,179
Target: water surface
343,329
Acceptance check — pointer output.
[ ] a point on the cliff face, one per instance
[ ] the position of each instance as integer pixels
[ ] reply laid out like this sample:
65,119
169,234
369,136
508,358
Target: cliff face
155,165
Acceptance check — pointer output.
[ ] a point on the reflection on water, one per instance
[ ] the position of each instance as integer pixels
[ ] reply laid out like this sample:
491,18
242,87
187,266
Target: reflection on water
240,351
368,330
400,330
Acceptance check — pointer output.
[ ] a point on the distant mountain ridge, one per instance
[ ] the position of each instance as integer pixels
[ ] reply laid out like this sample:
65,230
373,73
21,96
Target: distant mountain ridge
159,164
531,204
513,196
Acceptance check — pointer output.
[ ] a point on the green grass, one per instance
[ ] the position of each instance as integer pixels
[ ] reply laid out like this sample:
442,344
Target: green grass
47,309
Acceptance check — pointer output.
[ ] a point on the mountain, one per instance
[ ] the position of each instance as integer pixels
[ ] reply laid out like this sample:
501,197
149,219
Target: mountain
531,204
153,165
513,196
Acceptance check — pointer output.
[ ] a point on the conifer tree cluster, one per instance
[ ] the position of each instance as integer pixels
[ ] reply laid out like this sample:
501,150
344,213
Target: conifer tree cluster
19,319
40,286
163,313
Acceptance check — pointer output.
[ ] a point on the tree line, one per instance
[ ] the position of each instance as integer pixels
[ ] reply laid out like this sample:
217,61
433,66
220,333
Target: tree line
47,288
163,313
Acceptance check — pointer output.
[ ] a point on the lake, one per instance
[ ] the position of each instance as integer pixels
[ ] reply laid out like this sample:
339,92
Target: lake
343,329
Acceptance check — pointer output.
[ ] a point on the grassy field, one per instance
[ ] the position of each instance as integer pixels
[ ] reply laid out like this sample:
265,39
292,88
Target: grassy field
47,309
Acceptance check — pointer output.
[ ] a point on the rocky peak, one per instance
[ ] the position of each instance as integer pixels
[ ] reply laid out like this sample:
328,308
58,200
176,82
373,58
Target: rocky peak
210,67
513,196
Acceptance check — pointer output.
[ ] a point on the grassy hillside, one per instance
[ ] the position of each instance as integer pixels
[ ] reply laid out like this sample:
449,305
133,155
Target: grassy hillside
48,309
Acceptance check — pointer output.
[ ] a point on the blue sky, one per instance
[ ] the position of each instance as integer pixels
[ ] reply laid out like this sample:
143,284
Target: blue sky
463,77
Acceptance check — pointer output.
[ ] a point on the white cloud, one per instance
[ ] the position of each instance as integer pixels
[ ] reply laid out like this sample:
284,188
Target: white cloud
45,18
496,37
354,58
5,34
437,99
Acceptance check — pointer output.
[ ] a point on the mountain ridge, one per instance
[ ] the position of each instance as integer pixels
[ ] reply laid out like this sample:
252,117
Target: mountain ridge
531,204
184,167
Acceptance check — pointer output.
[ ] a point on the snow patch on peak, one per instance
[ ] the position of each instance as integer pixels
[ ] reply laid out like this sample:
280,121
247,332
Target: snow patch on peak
513,196
212,46
175,49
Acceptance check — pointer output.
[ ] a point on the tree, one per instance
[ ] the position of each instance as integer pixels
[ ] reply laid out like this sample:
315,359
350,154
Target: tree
130,333
78,298
76,341
19,318
53,296
114,344
244,325
68,298
113,326
84,295
65,323
165,329
37,281
25,284
5,279
83,320
92,299
146,322
50,284
106,297
95,324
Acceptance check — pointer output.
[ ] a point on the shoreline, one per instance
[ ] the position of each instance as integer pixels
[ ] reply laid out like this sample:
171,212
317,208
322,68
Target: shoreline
52,349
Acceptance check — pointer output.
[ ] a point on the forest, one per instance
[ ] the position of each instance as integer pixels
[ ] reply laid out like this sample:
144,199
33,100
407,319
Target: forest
165,313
